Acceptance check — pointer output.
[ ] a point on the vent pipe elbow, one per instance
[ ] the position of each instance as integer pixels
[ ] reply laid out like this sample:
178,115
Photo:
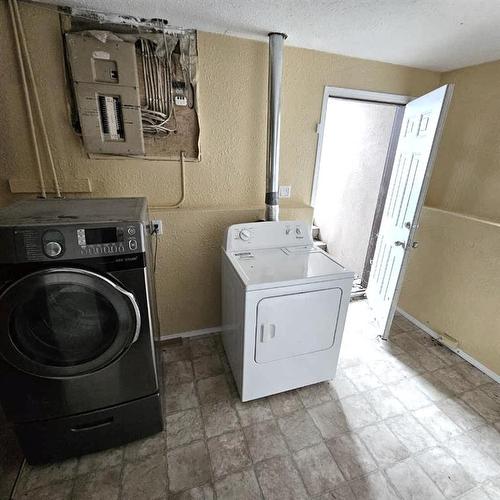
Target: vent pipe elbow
275,73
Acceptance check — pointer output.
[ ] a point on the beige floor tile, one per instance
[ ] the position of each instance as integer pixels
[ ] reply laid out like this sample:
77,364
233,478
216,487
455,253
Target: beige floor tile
137,450
219,418
383,444
411,481
178,372
476,494
437,423
316,394
53,491
207,366
483,404
445,471
373,487
487,440
279,479
146,478
319,471
411,434
176,352
452,379
205,492
299,430
461,413
184,427
362,378
188,466
351,455
432,387
480,466
265,440
34,476
285,403
240,485
203,346
410,395
213,389
228,453
471,373
492,488
341,386
493,391
330,419
100,460
102,484
253,412
357,411
384,403
180,397
341,492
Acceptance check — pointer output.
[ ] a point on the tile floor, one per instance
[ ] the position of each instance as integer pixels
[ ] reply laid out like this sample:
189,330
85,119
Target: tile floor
404,419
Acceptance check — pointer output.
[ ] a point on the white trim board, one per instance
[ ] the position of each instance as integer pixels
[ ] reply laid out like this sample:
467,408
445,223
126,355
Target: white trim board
458,351
191,333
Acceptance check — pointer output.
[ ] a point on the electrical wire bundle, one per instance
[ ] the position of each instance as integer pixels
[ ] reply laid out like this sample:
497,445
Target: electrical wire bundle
157,73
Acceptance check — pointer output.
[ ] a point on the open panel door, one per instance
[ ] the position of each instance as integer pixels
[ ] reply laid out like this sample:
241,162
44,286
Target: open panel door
418,143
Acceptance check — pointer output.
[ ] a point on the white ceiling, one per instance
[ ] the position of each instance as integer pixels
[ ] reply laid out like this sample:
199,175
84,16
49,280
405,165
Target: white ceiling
433,34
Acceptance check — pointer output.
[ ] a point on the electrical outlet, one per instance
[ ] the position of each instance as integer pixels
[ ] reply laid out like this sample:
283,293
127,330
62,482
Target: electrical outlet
285,191
157,225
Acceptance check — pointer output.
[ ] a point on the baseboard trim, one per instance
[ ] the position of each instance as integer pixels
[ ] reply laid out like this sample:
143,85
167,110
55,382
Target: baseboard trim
191,333
494,376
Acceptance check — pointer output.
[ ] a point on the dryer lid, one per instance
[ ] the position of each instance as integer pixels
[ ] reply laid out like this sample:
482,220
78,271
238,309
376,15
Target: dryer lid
276,265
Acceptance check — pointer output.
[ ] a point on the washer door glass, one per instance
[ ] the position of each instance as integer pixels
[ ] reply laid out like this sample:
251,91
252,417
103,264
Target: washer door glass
64,322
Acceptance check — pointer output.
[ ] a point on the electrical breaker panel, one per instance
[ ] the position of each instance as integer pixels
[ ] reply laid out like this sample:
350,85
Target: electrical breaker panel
106,87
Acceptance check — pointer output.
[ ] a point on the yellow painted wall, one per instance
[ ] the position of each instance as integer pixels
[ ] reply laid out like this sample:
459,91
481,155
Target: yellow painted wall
228,185
452,280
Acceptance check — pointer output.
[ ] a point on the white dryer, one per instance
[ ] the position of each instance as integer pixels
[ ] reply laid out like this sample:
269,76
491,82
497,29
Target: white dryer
284,304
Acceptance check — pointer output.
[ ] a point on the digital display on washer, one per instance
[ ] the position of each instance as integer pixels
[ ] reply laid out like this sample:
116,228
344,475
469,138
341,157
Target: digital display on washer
101,235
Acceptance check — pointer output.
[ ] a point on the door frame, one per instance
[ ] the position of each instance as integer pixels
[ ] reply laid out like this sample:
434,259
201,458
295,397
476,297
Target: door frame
354,95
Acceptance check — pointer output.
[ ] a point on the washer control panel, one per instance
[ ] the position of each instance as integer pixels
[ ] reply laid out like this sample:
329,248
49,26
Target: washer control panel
109,240
64,242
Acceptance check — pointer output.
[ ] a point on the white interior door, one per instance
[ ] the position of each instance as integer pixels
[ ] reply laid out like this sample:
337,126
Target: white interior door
417,147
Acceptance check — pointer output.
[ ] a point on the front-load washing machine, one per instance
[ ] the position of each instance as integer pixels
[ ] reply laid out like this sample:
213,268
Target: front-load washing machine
284,307
78,323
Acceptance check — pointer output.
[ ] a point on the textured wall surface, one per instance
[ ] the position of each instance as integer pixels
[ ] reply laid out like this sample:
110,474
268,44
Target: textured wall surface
355,144
452,282
467,174
228,185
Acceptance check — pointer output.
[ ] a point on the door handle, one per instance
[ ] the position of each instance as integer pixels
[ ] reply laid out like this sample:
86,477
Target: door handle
414,244
267,332
400,244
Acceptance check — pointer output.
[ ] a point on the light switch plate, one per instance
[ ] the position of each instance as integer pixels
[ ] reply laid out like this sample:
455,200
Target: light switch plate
285,191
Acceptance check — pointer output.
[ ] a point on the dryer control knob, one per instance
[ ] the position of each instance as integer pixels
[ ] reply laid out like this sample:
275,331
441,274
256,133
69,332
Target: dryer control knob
245,234
52,249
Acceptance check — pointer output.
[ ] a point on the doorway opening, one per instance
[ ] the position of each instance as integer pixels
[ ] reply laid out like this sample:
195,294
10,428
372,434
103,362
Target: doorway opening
353,175
373,166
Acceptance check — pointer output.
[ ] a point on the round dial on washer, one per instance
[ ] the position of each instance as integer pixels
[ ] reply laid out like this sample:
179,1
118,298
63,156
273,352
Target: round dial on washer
53,243
52,249
245,234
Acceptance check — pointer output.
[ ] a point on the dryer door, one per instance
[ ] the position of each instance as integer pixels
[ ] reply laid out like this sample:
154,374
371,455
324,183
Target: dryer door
292,325
63,322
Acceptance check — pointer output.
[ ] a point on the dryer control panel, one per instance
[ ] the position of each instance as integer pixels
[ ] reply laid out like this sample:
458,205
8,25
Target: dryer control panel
70,242
273,234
